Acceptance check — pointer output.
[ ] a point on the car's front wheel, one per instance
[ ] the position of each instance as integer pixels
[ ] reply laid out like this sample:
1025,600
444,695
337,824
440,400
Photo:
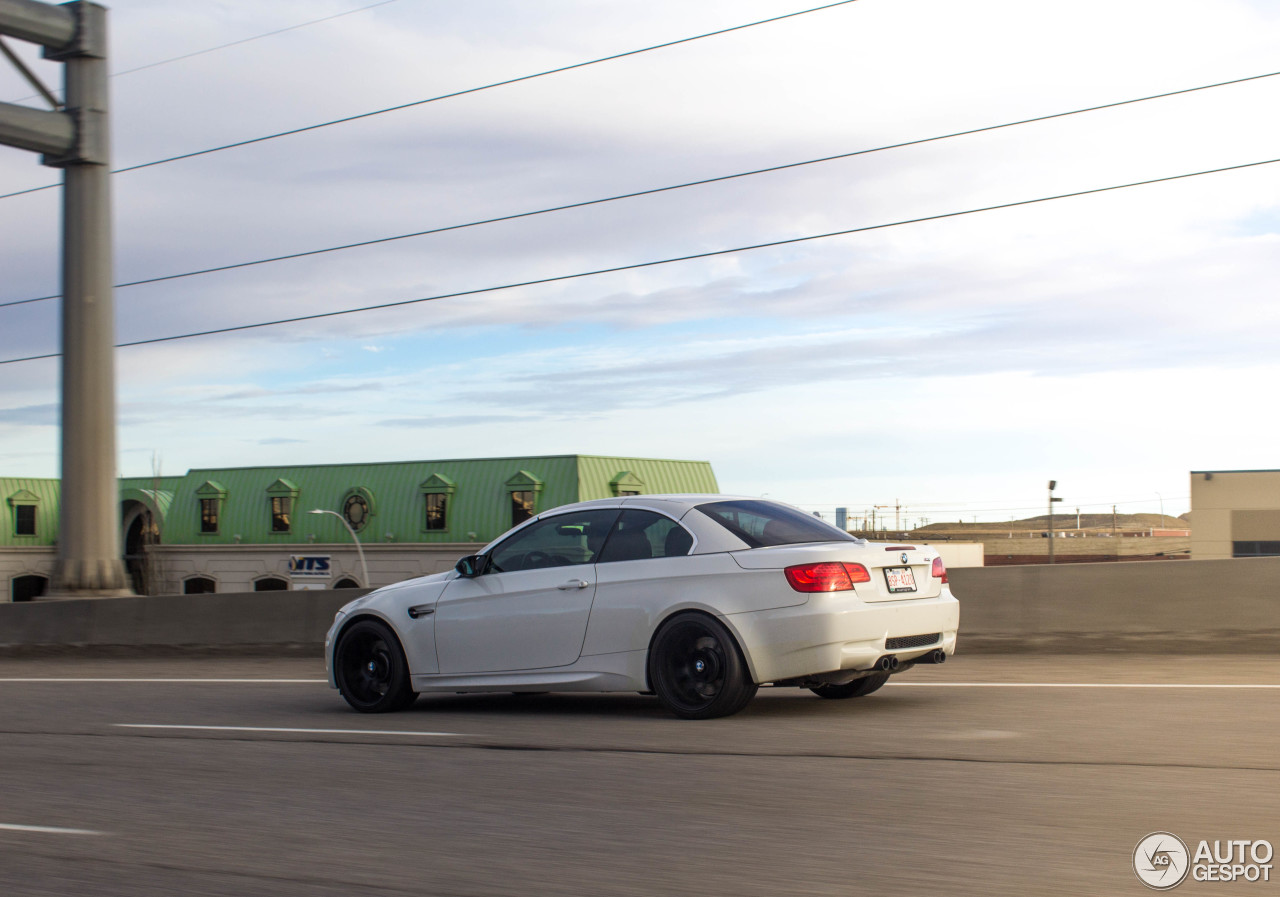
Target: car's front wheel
856,689
696,669
370,669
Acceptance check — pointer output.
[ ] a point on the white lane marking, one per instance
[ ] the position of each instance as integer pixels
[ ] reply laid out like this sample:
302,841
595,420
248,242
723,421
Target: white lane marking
47,829
910,684
181,681
290,731
1075,685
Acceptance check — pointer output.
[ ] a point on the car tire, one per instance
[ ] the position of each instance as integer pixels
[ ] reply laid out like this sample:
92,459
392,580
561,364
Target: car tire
858,688
697,670
370,670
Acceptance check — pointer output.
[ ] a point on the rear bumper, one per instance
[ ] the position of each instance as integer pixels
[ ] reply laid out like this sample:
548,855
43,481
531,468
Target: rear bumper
837,631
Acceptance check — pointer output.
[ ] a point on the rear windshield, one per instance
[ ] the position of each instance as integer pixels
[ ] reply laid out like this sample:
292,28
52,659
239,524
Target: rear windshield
764,523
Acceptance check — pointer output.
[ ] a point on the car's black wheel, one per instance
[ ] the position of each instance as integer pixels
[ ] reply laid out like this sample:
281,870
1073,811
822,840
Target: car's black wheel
696,669
370,669
856,689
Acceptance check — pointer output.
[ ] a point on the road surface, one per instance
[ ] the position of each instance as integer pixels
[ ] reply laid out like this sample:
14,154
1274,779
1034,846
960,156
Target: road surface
988,775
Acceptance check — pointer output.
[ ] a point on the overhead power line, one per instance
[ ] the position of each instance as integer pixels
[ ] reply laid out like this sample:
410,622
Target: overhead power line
236,43
638,193
654,263
246,40
457,93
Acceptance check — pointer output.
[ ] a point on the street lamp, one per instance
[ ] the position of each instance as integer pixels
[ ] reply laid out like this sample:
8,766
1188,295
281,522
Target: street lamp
364,568
1161,497
1053,484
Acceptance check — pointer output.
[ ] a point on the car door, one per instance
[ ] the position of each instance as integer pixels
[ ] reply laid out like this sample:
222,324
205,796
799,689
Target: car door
530,609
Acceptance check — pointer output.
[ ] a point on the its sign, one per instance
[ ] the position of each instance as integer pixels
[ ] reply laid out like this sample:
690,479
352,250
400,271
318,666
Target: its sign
310,566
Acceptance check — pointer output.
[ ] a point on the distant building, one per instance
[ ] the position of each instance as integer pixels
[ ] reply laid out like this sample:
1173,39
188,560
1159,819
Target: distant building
1235,513
248,529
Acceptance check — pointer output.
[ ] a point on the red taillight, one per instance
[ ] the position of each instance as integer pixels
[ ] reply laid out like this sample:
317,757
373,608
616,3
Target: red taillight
826,577
939,569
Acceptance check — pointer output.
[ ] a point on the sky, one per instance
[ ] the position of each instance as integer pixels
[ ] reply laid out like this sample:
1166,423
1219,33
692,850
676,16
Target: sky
1113,341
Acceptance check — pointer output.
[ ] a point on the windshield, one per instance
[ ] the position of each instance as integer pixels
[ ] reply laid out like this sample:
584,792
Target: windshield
764,523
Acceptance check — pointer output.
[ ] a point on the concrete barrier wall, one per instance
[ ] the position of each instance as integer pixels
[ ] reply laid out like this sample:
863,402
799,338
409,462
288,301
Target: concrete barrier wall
1179,606
1214,605
218,621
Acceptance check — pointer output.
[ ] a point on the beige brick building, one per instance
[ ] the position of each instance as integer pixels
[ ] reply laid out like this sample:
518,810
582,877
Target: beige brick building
1235,513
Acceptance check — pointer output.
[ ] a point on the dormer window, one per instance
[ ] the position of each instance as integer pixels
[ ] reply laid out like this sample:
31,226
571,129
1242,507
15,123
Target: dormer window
523,489
282,495
211,496
437,497
24,520
281,513
209,515
24,504
626,483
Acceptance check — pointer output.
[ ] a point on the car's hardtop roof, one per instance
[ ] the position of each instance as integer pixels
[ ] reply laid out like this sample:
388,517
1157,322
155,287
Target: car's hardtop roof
676,503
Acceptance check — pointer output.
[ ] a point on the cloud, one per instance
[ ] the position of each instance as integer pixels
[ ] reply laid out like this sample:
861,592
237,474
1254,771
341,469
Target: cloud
32,415
1141,285
451,420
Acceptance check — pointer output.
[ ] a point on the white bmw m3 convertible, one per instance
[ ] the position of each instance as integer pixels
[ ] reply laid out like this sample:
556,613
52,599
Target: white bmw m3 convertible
699,599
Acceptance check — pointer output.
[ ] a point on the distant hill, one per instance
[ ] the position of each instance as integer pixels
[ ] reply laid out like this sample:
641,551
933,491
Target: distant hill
1064,521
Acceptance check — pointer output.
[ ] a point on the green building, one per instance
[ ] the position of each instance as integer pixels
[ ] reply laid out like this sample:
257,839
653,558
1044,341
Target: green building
248,528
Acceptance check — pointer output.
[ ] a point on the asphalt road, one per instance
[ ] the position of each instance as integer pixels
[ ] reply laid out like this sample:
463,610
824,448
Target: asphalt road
989,775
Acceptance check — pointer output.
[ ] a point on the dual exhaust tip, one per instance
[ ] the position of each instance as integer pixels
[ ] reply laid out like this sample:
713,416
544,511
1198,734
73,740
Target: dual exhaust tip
890,664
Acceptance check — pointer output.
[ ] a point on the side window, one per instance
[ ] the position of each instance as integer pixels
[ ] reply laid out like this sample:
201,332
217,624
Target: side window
643,534
559,541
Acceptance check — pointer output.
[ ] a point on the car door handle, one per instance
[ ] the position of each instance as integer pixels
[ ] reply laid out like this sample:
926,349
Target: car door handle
573,584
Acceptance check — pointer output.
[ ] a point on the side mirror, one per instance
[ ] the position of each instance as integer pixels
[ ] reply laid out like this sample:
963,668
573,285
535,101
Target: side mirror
472,565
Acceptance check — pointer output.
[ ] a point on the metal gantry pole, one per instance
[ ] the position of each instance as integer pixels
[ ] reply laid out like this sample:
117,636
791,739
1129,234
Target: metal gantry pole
75,139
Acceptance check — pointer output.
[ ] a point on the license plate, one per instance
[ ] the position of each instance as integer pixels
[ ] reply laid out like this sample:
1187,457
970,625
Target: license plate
900,579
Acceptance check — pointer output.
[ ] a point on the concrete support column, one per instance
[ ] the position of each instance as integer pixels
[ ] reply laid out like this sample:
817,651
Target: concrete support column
89,561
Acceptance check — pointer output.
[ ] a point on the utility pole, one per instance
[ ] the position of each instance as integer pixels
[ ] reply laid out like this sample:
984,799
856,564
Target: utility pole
1114,548
1053,484
75,138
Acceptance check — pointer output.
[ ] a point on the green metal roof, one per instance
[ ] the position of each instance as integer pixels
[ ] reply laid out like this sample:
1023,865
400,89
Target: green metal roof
479,505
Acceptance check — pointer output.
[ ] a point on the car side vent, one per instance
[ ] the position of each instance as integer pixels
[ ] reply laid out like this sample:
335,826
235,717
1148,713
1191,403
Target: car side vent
902,642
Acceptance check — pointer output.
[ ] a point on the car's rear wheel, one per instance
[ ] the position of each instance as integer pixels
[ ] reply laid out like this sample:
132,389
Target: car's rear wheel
696,669
856,689
370,669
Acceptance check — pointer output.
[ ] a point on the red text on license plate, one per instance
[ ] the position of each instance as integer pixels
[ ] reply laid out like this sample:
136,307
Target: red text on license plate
900,579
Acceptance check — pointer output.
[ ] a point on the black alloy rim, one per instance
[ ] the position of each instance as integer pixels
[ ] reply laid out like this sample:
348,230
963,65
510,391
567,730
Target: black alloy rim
366,666
693,664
